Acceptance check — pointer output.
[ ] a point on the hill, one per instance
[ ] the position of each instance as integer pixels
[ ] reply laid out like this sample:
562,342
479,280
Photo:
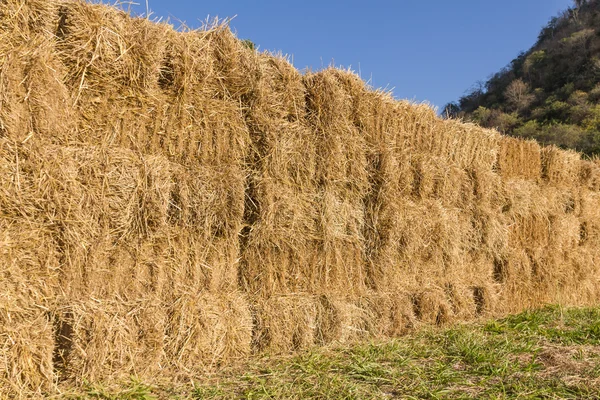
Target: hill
550,92
175,202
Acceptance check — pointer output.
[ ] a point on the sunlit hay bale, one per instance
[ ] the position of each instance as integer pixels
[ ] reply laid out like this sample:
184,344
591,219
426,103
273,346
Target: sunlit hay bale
278,95
113,64
392,313
550,276
529,231
26,347
341,149
109,339
546,229
33,100
187,262
465,302
203,331
419,123
514,273
377,115
489,234
341,264
204,75
284,323
589,230
235,63
281,247
284,232
572,278
172,102
124,223
101,200
434,178
34,104
583,277
565,233
528,212
431,245
205,216
476,292
340,320
29,260
283,145
432,306
589,175
23,19
203,131
560,167
486,187
519,159
524,197
343,181
478,147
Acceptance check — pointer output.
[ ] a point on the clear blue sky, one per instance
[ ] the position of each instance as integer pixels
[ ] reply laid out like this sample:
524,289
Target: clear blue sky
425,50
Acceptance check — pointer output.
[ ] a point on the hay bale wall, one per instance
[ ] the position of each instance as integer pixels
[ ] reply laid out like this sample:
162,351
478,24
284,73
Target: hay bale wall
173,201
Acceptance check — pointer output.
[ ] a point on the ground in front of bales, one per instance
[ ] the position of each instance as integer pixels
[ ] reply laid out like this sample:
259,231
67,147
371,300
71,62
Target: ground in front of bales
551,353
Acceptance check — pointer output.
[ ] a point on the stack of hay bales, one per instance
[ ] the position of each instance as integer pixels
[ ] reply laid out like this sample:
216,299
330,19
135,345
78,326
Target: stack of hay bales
123,155
280,243
173,201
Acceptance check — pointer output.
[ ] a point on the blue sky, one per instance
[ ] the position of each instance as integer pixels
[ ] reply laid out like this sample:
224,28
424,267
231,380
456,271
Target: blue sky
424,50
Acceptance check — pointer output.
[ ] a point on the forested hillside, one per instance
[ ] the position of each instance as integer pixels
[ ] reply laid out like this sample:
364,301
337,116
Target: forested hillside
551,92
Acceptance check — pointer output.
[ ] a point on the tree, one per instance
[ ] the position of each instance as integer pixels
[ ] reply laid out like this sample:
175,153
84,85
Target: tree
451,110
518,95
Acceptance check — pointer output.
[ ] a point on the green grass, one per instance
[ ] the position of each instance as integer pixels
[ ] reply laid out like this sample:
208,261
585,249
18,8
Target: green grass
553,353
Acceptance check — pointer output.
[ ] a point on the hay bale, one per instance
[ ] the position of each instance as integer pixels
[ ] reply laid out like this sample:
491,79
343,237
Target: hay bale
393,313
21,20
284,323
489,235
560,167
589,232
204,331
33,101
478,146
514,273
121,223
431,306
519,159
589,175
30,260
142,86
432,243
342,320
419,123
343,180
26,347
280,244
109,339
487,187
434,178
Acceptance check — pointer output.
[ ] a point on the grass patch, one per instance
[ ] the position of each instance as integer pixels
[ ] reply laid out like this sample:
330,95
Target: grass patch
552,353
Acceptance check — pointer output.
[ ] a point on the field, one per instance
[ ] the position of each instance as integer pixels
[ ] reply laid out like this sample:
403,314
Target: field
552,353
